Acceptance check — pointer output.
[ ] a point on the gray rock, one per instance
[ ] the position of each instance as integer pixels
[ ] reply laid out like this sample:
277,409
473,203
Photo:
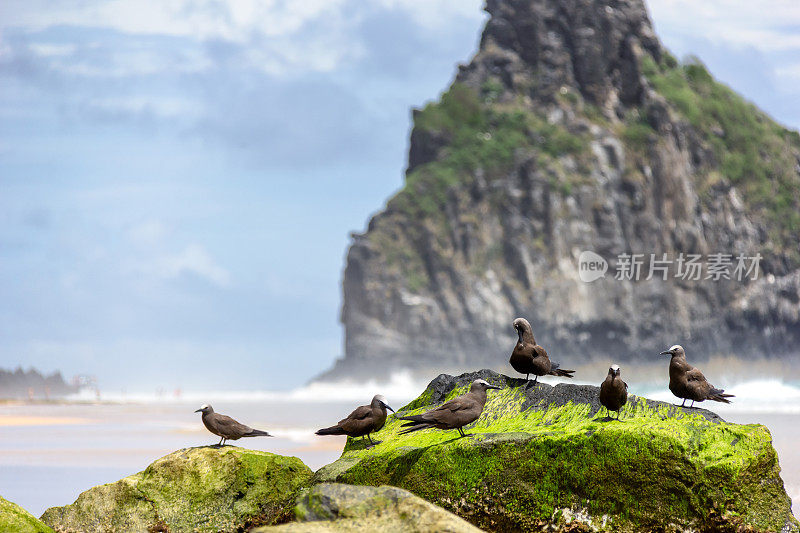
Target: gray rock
338,507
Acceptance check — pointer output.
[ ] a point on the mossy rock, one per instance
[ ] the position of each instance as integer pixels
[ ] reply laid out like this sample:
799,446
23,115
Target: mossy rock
15,518
346,508
540,456
194,489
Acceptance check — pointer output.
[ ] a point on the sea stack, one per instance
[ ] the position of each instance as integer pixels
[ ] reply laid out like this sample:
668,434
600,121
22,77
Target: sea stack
454,414
226,427
569,130
613,391
530,358
687,382
362,421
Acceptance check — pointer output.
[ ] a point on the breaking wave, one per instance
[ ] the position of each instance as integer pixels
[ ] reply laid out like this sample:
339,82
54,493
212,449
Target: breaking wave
400,387
758,396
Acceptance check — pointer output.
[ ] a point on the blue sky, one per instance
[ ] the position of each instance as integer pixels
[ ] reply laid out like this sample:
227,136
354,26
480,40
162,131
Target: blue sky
178,180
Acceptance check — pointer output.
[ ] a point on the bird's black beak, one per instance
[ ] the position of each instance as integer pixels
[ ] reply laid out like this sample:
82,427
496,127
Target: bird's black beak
199,411
492,387
389,408
666,352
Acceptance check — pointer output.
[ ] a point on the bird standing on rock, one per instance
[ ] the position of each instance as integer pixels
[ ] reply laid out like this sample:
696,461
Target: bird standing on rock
530,358
364,420
454,414
226,427
687,382
613,391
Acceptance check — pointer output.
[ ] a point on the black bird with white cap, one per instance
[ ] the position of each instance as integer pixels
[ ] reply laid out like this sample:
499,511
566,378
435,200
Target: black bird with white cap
454,414
687,382
362,421
613,391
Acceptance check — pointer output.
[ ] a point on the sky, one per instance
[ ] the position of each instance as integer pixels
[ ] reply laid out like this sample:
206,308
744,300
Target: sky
179,179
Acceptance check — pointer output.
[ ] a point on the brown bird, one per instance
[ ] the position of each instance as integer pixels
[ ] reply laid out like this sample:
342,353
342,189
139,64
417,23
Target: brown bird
362,421
226,427
613,391
687,382
530,358
454,414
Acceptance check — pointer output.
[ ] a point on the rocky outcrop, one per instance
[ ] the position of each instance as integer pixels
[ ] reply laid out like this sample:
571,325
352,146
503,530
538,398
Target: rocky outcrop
15,518
345,508
194,489
542,457
573,130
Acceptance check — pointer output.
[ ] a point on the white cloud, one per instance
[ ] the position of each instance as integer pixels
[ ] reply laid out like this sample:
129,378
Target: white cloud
148,233
435,14
194,259
767,26
273,32
789,73
159,106
233,20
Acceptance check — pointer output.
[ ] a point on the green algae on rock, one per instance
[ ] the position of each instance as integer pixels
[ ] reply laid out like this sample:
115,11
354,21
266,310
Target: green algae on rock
15,518
194,489
342,508
540,455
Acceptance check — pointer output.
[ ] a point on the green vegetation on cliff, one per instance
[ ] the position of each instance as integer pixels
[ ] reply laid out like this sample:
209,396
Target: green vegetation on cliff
542,454
15,518
195,489
480,136
754,152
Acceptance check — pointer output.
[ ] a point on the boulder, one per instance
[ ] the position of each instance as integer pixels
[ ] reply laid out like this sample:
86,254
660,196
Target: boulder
15,518
542,456
340,508
194,489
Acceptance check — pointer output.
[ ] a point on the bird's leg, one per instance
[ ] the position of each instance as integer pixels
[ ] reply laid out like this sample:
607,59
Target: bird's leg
527,376
220,442
373,442
462,432
684,402
692,404
536,380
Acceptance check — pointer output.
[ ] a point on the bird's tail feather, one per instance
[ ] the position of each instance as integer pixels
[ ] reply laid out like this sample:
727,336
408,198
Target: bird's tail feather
414,419
718,395
258,433
333,430
555,371
416,427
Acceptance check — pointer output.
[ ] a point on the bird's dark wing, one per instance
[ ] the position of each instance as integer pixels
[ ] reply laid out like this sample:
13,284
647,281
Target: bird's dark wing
442,412
695,375
539,351
228,426
358,420
358,413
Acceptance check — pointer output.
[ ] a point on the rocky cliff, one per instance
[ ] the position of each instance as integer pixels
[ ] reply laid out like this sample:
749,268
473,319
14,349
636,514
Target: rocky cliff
572,129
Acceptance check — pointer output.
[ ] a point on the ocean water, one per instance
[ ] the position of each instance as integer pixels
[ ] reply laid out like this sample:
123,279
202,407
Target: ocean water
50,452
